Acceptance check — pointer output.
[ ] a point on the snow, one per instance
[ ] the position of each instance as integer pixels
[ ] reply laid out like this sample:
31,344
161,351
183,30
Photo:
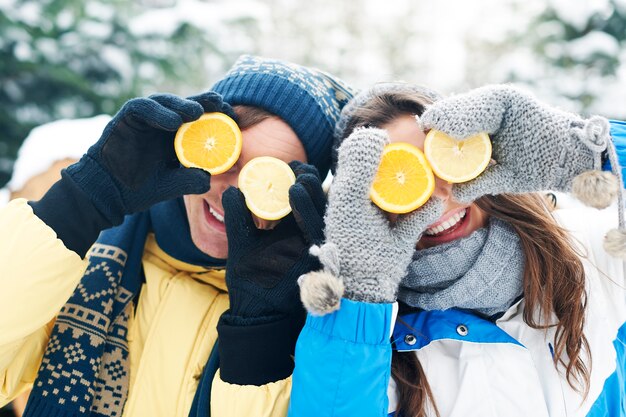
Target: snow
53,142
577,12
7,5
49,48
23,51
119,60
99,10
593,43
65,19
93,29
29,13
200,14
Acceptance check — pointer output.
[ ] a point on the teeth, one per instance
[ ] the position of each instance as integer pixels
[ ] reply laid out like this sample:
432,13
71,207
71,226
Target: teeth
216,214
452,221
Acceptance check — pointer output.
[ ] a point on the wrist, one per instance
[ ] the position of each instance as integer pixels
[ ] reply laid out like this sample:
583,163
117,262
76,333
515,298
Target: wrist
371,291
257,354
67,210
99,187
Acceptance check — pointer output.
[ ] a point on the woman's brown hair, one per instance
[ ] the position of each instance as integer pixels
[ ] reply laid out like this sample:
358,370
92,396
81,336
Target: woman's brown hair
554,278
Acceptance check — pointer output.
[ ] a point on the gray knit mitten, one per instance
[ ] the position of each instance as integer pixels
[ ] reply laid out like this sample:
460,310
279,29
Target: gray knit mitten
535,147
365,256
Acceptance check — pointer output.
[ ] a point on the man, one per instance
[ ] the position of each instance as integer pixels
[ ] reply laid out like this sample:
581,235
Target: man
137,336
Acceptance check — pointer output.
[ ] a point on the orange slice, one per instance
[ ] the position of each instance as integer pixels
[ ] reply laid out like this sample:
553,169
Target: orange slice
213,143
457,161
265,182
404,180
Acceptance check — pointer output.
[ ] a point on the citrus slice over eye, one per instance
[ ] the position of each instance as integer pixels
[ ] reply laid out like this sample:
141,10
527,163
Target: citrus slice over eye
265,182
213,143
404,180
454,160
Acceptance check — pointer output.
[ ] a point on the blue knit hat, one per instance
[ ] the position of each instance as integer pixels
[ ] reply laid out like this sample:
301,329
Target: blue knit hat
307,99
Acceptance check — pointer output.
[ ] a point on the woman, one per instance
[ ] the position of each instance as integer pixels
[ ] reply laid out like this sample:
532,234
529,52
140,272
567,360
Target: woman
507,311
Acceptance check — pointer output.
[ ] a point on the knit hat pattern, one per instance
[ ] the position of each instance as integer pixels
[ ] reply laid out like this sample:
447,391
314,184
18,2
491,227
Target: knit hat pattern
307,99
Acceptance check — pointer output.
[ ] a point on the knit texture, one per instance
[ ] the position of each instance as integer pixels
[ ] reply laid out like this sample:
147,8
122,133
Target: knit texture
133,165
309,100
85,370
372,253
263,265
482,272
535,147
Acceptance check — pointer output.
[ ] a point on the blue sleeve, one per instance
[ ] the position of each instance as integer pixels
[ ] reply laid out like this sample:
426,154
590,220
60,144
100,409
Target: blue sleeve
618,134
343,363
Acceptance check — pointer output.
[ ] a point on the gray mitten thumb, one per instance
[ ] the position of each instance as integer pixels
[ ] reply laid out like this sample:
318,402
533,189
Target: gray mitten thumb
321,291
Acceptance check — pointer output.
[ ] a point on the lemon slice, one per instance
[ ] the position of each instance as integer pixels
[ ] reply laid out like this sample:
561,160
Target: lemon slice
265,182
457,161
213,143
404,180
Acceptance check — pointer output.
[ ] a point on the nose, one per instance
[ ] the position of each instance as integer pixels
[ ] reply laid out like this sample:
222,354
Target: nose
222,181
443,189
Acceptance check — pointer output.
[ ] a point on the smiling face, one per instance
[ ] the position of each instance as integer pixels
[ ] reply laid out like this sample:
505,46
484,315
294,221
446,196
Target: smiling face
270,137
459,220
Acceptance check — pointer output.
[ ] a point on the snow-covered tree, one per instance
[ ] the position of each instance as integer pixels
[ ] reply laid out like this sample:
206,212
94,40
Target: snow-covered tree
77,58
574,54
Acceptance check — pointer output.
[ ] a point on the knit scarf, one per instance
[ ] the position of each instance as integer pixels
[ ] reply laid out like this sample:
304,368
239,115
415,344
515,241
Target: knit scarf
85,369
481,272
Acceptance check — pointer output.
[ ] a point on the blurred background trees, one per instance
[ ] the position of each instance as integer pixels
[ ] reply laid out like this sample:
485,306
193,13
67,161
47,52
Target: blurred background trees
78,58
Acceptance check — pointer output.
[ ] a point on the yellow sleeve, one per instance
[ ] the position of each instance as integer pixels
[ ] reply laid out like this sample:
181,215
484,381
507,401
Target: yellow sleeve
269,400
37,276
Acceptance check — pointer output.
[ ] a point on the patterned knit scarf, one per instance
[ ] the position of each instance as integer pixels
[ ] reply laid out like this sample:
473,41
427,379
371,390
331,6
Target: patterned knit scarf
85,369
481,272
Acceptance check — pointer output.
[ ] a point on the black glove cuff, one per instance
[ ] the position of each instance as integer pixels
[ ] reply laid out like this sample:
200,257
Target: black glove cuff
256,354
71,214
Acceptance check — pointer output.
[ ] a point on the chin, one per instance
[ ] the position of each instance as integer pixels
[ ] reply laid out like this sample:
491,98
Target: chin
212,248
207,233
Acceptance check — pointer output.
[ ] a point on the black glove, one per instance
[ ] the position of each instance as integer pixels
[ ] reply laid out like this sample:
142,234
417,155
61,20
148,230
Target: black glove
131,167
261,274
264,265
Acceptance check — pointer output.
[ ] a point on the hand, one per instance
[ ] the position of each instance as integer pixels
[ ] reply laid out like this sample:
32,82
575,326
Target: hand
535,147
367,253
133,165
264,265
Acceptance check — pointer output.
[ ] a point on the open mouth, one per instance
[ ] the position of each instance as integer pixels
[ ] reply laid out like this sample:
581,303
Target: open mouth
448,226
216,214
213,218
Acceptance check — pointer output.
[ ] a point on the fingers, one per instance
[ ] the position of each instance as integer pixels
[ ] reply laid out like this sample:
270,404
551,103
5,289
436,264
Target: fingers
188,110
308,176
495,180
308,216
300,168
464,115
213,102
409,228
237,217
183,181
359,158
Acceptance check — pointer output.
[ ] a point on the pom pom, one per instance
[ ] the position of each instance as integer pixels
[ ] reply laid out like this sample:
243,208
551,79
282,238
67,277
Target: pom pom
615,243
320,292
596,188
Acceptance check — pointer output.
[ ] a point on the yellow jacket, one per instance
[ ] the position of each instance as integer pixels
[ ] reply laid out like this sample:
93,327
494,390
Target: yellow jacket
170,337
